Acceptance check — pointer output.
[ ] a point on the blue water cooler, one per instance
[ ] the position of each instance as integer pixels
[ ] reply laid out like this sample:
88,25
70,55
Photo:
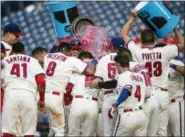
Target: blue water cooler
157,17
63,13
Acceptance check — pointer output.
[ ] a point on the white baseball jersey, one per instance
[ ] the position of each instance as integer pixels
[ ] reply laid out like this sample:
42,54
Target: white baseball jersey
59,68
176,81
7,47
106,67
140,68
19,73
156,60
135,83
80,87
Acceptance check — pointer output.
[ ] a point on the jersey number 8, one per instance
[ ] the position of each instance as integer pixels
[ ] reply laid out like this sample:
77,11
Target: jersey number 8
51,68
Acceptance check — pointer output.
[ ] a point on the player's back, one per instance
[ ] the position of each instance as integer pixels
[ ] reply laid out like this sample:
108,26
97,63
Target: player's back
156,59
141,69
19,73
135,83
59,68
106,67
80,85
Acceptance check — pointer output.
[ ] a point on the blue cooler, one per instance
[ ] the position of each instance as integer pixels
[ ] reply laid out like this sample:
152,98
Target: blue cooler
63,13
156,16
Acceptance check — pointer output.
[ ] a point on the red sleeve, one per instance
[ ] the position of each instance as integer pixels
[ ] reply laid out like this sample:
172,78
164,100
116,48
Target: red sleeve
40,80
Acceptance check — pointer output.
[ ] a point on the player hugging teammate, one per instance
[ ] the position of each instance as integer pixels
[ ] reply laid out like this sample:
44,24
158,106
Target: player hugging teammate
132,91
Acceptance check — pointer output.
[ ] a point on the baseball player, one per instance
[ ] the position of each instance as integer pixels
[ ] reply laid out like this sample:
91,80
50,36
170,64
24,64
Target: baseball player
11,34
75,47
84,108
157,62
39,54
131,86
138,68
59,68
106,69
176,95
22,78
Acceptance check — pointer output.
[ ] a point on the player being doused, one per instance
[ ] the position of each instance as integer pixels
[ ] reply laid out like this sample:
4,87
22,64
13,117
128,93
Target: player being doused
84,108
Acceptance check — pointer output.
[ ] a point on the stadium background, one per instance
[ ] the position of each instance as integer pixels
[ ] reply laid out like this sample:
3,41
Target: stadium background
35,20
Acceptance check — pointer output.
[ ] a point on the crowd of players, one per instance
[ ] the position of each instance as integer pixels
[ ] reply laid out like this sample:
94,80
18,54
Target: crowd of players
132,91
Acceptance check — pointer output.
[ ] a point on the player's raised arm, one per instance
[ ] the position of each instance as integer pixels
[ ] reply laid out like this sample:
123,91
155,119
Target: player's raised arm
180,39
126,28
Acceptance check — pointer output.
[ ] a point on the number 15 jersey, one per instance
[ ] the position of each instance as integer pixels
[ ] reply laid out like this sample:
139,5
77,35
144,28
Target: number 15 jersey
156,61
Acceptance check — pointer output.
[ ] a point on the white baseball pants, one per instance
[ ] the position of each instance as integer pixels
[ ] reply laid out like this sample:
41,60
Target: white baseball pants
83,117
151,109
108,124
55,111
131,124
19,105
162,98
176,116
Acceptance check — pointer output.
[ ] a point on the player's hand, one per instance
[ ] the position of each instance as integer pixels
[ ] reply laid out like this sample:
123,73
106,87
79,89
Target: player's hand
111,111
134,13
68,98
41,105
94,83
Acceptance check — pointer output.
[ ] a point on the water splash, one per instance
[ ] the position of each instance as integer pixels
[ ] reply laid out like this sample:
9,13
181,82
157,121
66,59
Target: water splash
95,39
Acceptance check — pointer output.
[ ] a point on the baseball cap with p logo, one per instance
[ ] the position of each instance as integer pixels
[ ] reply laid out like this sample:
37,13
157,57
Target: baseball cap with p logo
13,28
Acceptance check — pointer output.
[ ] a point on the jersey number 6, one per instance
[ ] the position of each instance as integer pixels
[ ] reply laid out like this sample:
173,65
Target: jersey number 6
111,70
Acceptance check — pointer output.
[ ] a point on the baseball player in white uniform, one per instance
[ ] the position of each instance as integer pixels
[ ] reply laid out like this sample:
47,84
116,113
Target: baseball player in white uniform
11,33
106,69
84,108
59,68
22,77
138,68
75,47
176,95
157,62
131,119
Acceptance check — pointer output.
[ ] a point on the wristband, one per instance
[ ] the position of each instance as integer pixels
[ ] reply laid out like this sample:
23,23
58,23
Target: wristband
173,66
115,105
42,96
93,63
